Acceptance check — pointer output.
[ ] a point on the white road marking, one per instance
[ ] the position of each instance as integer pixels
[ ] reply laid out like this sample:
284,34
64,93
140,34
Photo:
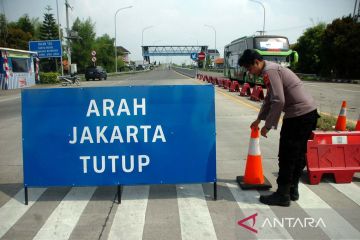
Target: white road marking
129,219
346,90
15,208
336,226
9,98
195,219
321,86
249,204
351,190
64,218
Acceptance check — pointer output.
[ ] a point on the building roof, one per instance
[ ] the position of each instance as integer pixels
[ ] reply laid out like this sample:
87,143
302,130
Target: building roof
17,50
213,51
219,61
122,49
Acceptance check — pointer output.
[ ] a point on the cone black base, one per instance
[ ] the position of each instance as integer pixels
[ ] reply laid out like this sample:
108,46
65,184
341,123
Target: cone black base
265,186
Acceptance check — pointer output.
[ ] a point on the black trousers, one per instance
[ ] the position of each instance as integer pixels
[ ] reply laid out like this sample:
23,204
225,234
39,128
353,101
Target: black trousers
293,144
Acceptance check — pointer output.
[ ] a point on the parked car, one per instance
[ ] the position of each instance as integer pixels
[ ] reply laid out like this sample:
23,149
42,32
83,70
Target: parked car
95,72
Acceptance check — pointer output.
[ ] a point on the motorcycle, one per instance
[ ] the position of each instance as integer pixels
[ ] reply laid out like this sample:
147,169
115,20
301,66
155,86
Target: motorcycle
69,80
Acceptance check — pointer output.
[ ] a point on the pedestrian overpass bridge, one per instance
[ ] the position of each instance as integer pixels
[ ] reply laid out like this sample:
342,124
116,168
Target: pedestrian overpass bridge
171,50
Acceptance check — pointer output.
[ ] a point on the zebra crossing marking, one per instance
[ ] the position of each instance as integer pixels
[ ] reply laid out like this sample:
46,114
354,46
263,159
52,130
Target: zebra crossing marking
195,219
336,226
351,190
129,219
249,204
64,218
15,208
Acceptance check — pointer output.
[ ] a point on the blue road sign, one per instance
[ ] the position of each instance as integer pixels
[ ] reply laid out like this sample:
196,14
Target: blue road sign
194,56
46,49
118,135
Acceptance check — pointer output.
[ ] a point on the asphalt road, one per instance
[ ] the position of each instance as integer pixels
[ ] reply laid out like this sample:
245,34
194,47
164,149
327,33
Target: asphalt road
329,96
324,211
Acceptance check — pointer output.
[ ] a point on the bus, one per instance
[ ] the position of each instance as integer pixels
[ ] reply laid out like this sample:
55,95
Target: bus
271,48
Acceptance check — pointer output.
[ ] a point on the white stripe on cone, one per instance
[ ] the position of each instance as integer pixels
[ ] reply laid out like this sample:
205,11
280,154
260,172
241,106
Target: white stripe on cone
342,112
254,147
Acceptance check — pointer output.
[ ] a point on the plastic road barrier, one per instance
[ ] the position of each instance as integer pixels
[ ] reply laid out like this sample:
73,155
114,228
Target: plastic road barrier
337,153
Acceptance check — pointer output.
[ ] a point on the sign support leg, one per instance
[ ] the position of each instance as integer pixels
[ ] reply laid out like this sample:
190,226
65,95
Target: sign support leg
215,191
26,195
119,193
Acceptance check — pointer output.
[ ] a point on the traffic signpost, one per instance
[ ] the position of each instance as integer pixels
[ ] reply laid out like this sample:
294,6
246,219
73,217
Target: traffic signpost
201,56
194,56
46,49
93,59
119,136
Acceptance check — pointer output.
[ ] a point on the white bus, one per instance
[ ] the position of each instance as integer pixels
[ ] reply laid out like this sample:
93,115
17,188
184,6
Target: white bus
272,48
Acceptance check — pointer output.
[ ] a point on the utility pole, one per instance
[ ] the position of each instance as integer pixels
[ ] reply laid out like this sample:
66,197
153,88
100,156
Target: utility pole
61,60
358,14
354,10
67,5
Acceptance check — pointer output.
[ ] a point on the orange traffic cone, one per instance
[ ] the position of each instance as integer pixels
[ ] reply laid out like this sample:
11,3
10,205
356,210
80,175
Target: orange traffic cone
254,178
357,128
341,121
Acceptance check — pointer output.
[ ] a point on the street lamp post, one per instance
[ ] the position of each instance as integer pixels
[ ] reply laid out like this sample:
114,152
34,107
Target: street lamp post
263,31
142,34
209,26
115,34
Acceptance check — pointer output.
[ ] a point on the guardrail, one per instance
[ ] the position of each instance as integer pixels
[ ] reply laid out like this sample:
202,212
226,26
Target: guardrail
185,71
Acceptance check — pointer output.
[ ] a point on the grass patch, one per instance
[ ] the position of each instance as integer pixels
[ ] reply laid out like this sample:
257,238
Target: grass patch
327,123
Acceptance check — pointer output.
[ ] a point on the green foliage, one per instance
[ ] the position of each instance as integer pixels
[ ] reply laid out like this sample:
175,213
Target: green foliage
37,25
308,47
341,49
3,30
25,24
330,50
120,64
104,47
327,123
81,49
207,62
49,77
17,38
15,34
49,29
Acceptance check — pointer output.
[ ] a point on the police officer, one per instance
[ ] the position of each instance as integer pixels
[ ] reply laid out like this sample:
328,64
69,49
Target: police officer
285,93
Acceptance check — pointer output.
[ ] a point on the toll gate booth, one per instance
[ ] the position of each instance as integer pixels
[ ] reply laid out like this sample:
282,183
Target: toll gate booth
18,68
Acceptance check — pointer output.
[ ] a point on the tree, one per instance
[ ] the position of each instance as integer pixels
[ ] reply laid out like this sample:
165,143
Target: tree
104,47
37,26
308,47
81,49
49,29
341,49
3,30
25,24
17,38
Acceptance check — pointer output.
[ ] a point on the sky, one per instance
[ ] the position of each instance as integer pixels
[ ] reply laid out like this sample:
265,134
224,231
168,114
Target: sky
182,22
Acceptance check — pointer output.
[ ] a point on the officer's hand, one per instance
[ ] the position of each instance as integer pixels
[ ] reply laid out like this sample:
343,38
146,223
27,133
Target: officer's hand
255,124
264,131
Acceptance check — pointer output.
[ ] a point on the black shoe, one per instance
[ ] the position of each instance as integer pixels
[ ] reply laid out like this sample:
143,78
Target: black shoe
294,193
276,199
